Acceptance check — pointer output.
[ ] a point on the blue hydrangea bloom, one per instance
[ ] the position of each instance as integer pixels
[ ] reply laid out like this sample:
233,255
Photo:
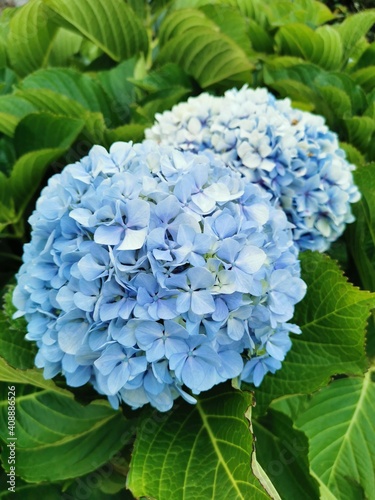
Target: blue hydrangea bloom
153,273
290,153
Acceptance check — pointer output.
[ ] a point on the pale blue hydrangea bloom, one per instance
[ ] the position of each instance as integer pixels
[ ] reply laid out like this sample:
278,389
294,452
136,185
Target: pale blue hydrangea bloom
290,153
153,273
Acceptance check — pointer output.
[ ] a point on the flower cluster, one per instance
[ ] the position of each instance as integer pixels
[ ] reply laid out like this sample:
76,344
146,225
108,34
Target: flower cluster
290,153
154,273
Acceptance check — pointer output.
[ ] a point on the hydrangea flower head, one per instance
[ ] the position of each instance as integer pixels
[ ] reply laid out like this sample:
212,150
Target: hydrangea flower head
154,273
290,153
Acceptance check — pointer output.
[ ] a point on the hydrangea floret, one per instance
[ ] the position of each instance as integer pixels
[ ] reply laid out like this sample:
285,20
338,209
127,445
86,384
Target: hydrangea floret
290,153
153,273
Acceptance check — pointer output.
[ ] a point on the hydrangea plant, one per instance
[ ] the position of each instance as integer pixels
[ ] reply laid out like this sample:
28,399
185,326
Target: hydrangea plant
290,153
154,273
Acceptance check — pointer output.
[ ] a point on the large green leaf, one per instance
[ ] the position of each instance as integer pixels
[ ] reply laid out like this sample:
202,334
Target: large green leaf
121,91
129,132
365,77
311,12
333,318
361,234
44,131
27,491
72,84
7,212
66,45
110,24
195,42
282,452
199,451
12,109
360,130
339,423
41,139
28,172
165,87
367,58
7,155
255,10
17,351
335,95
322,47
57,437
231,23
30,37
361,239
8,78
59,104
353,28
260,39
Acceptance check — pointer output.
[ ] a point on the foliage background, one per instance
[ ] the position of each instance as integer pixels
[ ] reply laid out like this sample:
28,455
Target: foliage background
82,72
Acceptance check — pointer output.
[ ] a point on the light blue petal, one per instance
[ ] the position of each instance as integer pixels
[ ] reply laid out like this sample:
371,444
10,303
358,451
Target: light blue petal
133,240
147,332
183,302
137,213
109,235
202,302
118,377
200,278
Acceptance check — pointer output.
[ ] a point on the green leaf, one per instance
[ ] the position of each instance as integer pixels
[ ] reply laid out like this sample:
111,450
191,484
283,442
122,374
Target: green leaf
32,377
27,491
44,130
360,130
339,423
110,24
260,39
230,22
361,234
193,41
7,155
130,132
367,58
27,174
282,452
199,451
365,77
7,211
255,10
344,83
332,48
8,79
322,47
166,77
311,12
165,87
53,102
353,155
72,84
161,101
353,28
66,45
17,351
121,91
333,318
333,103
139,7
292,80
30,36
67,439
12,109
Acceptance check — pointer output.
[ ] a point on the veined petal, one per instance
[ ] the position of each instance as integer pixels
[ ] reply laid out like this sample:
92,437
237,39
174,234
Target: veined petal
134,239
108,235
